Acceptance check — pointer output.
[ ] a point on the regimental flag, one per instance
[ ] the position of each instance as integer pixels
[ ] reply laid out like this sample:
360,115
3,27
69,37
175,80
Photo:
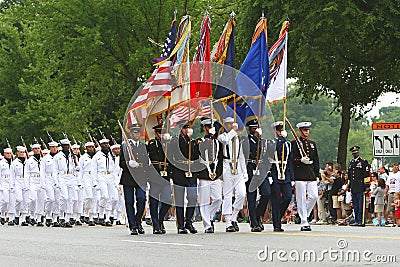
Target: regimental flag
278,66
253,77
224,54
200,71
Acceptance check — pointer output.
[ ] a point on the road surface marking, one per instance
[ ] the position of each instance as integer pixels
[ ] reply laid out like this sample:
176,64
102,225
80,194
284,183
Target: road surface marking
163,243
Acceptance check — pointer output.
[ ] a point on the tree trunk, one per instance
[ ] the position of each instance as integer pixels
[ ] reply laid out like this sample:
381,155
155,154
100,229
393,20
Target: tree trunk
344,132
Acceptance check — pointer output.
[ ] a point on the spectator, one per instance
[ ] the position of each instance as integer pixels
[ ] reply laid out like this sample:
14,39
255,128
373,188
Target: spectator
329,180
321,199
373,185
346,202
379,193
336,187
396,205
391,189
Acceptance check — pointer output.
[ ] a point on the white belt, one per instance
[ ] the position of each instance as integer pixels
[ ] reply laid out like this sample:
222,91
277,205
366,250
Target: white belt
5,176
34,175
19,176
105,172
87,172
65,172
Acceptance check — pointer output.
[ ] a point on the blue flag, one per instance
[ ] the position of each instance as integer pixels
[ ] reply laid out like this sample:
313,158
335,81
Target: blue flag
253,78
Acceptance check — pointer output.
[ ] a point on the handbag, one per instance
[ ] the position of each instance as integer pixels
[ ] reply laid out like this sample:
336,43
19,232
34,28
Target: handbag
340,198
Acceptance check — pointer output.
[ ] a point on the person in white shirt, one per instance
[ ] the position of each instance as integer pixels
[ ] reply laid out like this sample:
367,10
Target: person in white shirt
234,174
394,177
90,192
6,188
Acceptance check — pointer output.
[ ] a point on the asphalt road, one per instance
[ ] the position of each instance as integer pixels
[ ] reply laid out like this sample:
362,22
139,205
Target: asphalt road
100,246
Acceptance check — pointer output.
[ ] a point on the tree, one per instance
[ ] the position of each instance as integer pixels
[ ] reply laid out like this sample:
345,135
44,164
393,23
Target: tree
344,49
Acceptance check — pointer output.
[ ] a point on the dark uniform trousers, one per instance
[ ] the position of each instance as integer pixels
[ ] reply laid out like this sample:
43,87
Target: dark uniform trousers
160,188
133,185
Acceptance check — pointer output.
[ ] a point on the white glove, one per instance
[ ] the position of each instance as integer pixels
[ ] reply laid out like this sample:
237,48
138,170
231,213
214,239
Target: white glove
306,160
292,183
212,130
259,131
190,132
235,126
271,181
11,190
284,133
133,164
166,136
77,168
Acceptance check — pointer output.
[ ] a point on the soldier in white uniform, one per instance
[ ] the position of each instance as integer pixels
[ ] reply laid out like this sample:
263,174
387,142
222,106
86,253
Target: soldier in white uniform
78,204
64,166
90,192
116,150
21,186
234,174
6,187
103,167
36,192
52,207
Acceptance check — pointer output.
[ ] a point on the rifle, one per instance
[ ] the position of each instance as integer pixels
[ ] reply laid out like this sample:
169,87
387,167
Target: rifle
23,143
113,140
296,137
92,139
43,143
50,138
9,146
128,146
70,151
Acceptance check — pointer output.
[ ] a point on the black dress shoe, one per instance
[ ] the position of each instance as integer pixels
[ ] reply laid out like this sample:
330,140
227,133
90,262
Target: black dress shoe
134,232
16,221
256,229
191,228
278,230
182,231
157,232
40,224
33,222
48,222
148,221
108,224
236,226
78,223
86,220
11,223
67,225
140,228
24,224
162,228
305,228
230,229
72,221
82,219
2,221
209,230
112,220
118,222
56,224
91,223
212,224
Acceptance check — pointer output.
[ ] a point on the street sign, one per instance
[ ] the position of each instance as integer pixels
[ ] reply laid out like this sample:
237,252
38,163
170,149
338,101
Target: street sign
386,139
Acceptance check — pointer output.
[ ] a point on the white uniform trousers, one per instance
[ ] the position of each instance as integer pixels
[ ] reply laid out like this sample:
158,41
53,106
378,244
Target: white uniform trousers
49,200
6,201
306,197
78,204
210,199
232,184
21,201
67,195
108,197
57,203
36,201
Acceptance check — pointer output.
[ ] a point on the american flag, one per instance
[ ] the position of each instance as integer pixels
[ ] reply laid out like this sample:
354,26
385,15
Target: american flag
181,113
160,82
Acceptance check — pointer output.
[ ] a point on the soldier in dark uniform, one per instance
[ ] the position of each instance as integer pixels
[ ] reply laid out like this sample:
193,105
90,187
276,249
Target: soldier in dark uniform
253,156
282,173
358,171
160,188
133,179
306,171
184,175
210,186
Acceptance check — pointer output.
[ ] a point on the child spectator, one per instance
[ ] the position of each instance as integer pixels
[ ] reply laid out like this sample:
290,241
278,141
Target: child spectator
379,193
396,204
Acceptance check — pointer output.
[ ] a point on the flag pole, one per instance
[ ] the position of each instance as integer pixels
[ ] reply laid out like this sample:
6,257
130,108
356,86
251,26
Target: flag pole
284,101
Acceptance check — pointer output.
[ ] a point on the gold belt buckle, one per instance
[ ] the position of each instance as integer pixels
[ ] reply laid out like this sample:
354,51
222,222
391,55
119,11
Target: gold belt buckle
188,174
163,173
234,171
213,175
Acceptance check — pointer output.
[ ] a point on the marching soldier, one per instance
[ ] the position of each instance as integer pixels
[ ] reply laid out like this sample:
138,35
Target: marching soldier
7,188
182,154
116,150
160,187
282,173
78,203
21,186
306,171
36,186
234,174
90,192
253,147
210,186
133,179
65,164
49,181
358,174
103,168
